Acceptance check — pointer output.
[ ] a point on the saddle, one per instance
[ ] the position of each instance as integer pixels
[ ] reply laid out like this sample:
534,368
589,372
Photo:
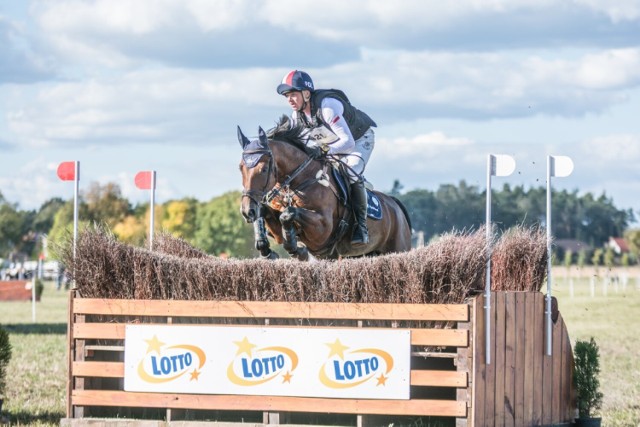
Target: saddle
340,174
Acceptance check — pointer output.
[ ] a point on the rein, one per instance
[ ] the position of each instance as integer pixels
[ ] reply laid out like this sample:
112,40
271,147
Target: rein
273,193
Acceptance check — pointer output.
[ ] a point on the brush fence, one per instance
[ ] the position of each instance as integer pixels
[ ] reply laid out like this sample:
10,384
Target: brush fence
448,374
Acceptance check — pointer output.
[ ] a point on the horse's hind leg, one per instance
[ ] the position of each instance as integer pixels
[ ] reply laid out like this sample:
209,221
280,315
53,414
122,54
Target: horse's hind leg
287,219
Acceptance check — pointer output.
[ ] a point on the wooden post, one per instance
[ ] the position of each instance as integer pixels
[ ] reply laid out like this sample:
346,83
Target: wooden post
70,352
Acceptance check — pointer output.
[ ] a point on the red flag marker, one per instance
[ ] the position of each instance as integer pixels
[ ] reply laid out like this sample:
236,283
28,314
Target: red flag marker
67,171
143,180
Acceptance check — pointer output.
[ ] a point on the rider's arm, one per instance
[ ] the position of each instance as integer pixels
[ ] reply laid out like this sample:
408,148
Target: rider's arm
332,114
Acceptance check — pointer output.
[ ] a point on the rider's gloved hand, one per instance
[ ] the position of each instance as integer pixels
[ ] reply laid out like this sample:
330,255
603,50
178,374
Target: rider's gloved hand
315,152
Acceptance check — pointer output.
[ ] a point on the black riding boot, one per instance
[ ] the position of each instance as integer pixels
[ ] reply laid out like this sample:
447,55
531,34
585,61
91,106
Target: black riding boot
359,204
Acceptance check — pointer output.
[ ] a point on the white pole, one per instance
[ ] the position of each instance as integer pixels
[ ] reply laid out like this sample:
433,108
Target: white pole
152,192
498,165
559,166
75,206
548,297
487,285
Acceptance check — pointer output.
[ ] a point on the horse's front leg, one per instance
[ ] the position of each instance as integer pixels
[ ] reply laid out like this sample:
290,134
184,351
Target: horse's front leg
262,243
288,218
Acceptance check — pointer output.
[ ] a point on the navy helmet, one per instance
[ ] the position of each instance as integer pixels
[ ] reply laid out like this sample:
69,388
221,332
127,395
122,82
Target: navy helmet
295,80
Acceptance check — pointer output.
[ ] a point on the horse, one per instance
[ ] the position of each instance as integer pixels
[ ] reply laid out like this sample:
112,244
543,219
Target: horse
301,203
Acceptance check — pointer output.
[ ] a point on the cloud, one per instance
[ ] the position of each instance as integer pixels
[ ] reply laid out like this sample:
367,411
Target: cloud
194,33
18,63
164,105
228,34
482,85
465,24
159,106
621,149
423,146
33,178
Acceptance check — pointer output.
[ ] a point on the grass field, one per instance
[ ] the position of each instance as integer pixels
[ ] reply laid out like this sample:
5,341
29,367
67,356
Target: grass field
36,377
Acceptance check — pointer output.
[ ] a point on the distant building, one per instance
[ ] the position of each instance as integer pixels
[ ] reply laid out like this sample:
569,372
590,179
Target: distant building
619,245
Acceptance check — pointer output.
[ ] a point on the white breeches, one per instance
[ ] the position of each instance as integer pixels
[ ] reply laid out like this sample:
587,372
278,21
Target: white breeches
359,157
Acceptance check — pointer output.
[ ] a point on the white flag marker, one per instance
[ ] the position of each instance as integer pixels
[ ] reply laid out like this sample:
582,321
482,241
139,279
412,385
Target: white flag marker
497,165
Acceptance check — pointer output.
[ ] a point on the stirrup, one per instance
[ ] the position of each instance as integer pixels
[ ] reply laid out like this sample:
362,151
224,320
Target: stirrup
360,236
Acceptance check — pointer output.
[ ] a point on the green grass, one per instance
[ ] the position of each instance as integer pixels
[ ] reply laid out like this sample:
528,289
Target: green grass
614,321
36,377
37,373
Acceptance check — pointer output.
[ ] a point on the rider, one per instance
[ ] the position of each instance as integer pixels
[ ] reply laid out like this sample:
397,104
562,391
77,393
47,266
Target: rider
355,139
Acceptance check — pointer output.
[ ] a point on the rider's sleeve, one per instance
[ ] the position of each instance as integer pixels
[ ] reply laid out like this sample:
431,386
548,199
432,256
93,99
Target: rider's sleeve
332,113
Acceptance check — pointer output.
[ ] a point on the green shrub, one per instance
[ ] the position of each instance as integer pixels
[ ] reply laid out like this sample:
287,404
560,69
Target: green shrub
5,356
39,289
587,369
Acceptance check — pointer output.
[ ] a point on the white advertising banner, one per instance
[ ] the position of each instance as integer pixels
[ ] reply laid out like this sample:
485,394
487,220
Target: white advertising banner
335,363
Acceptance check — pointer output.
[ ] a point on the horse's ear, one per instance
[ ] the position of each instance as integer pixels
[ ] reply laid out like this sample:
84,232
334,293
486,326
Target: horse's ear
263,137
243,140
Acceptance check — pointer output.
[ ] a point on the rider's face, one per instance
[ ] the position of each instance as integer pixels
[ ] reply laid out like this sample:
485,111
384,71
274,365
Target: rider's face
295,100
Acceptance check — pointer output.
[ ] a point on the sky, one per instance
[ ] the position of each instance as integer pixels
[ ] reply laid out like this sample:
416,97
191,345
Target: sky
130,85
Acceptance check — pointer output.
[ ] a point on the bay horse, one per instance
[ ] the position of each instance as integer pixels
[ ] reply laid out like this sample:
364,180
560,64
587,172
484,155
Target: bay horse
301,203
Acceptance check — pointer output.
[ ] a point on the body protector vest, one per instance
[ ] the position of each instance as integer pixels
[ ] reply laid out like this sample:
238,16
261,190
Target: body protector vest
358,121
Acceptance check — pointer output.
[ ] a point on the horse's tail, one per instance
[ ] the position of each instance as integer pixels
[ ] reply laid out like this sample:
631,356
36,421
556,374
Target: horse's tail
404,211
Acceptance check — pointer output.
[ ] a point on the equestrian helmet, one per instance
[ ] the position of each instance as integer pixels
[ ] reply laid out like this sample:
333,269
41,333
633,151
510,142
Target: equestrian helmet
295,80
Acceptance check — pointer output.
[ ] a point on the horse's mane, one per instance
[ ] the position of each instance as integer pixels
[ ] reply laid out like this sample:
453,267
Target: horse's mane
285,131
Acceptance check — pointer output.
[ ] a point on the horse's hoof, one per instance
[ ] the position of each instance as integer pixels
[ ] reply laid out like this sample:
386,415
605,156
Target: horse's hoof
271,256
262,245
303,255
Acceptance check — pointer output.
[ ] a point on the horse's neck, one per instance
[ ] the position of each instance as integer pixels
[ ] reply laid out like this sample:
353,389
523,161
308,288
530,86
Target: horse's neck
287,157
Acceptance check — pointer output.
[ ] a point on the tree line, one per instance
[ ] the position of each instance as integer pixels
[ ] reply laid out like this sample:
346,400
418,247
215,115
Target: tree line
217,227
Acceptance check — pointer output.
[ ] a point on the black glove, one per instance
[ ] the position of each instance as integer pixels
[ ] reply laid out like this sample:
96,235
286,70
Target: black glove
315,152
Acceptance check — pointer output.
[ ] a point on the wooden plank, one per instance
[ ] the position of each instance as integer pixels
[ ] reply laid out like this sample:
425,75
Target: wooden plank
565,404
562,346
270,309
519,365
509,418
570,397
440,337
547,379
500,366
479,362
490,373
98,369
70,352
78,349
418,377
110,348
529,388
538,356
107,331
464,363
425,407
439,378
557,372
426,337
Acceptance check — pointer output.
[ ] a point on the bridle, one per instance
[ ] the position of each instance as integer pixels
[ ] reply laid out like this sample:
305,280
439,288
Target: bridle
257,196
264,196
